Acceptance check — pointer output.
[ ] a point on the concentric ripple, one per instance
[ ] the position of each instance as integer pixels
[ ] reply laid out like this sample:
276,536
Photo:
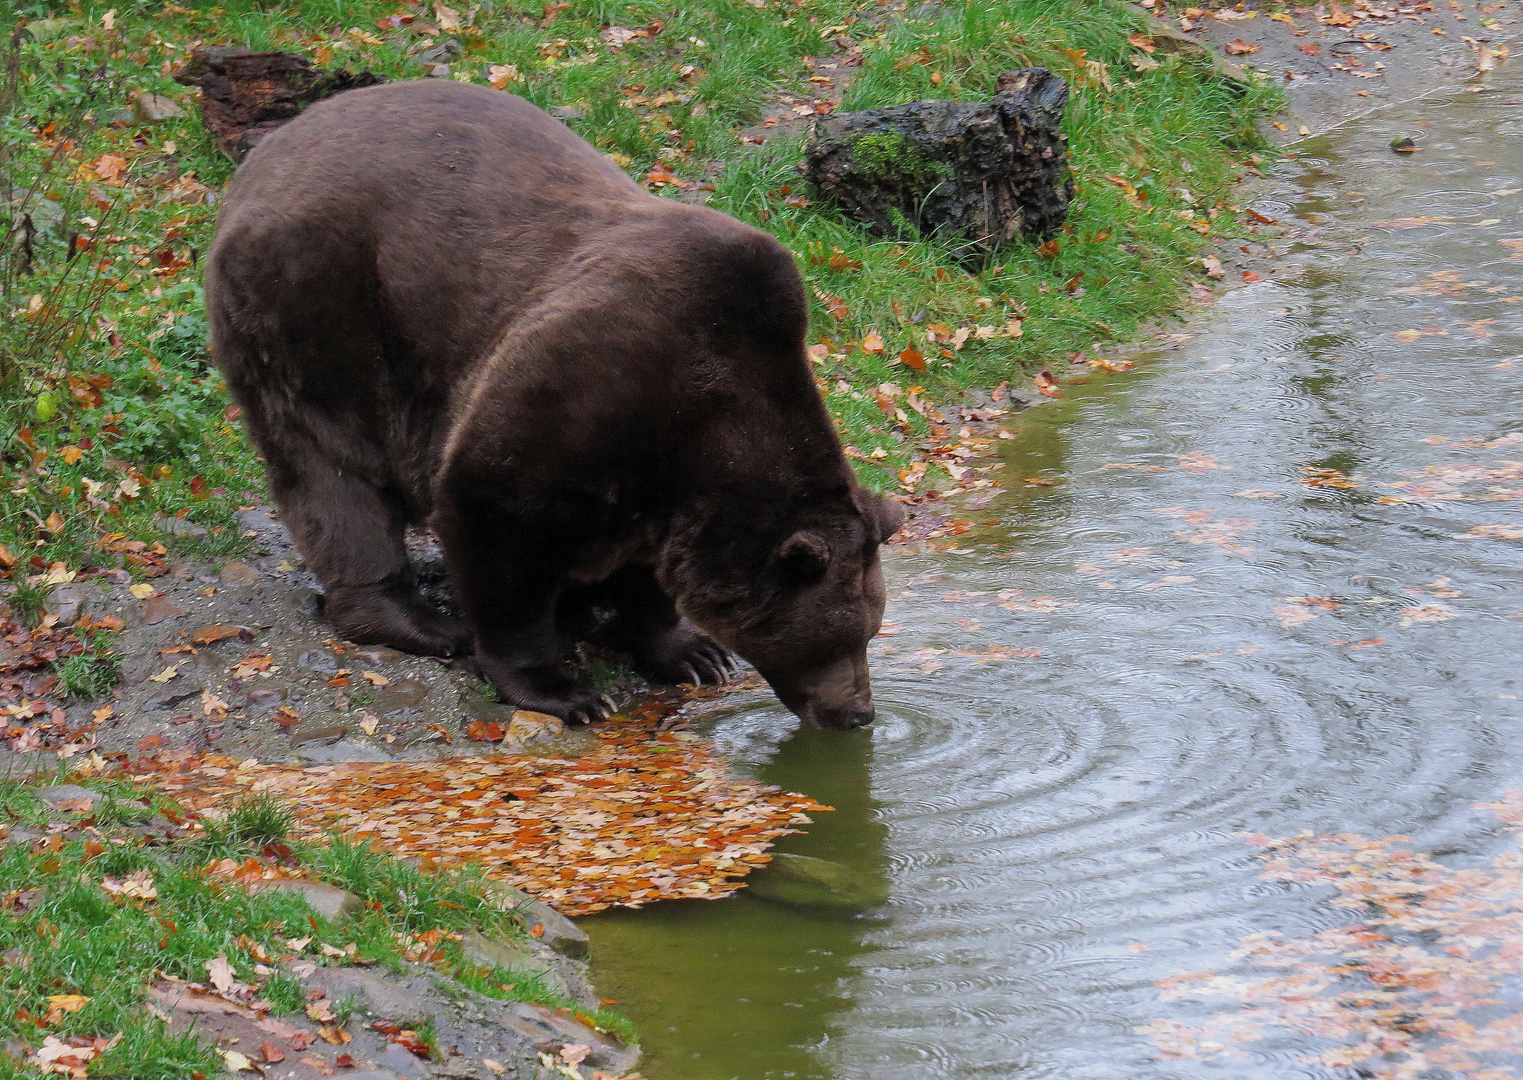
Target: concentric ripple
1277,587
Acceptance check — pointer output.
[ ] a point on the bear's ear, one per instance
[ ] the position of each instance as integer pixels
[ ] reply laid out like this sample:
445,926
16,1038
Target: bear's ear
805,556
890,514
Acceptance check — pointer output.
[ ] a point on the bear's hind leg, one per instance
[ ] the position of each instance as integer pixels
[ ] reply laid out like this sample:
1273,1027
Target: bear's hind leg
352,536
663,646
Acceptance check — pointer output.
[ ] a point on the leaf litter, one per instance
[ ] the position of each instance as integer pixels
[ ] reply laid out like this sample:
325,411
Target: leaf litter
1423,984
651,814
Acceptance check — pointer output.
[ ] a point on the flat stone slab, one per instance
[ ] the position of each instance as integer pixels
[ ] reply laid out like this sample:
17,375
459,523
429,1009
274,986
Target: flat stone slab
329,901
67,793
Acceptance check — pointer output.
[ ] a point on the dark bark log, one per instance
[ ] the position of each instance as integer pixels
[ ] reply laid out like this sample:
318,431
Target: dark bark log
982,172
246,94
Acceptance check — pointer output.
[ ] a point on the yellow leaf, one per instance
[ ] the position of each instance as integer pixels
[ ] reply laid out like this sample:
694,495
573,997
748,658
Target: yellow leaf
375,679
143,591
164,676
71,454
236,1062
58,1004
872,343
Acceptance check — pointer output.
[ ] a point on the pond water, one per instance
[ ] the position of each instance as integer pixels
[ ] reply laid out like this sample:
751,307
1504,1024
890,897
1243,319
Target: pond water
1275,585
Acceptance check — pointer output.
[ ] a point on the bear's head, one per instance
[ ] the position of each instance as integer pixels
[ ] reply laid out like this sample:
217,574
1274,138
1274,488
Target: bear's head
798,595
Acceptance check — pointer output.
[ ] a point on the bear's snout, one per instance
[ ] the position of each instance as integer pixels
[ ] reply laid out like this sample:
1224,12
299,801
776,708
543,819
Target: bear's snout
837,696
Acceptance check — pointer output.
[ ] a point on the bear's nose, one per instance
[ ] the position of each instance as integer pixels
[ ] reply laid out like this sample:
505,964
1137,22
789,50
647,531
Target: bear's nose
841,719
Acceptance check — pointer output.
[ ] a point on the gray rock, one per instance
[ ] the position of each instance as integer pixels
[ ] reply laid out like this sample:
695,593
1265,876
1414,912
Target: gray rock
18,837
513,957
343,750
308,734
403,1062
264,699
329,901
154,109
175,526
380,654
59,792
401,694
167,700
560,933
68,605
567,112
237,575
255,520
379,996
550,1029
321,660
809,882
160,609
1168,40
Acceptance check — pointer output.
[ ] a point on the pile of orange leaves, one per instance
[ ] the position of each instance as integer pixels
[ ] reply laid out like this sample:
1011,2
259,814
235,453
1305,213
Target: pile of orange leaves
652,814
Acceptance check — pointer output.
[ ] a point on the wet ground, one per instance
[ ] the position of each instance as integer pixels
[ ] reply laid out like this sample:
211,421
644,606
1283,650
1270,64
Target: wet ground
1271,581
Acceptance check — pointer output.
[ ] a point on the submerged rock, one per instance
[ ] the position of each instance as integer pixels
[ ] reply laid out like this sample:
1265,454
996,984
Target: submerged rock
819,883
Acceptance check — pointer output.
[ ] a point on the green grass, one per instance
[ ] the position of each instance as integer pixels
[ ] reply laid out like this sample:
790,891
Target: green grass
89,674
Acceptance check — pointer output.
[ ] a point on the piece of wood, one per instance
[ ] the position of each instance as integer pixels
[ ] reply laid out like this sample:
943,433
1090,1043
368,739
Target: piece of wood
246,94
977,173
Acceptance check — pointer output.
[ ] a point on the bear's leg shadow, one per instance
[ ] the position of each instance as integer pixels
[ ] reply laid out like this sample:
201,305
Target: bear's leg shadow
508,580
352,536
664,646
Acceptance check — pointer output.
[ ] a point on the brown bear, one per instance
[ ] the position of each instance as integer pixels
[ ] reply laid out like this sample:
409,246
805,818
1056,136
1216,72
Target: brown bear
437,305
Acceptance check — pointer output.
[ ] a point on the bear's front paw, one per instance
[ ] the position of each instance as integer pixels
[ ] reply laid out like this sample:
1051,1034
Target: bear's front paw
546,690
684,654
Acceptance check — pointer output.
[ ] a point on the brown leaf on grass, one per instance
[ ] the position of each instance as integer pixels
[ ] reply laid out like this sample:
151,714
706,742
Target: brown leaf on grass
222,975
912,359
1239,48
873,343
1046,385
59,1004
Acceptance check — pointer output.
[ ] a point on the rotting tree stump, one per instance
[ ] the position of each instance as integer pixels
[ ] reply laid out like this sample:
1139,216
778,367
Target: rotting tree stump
982,172
245,95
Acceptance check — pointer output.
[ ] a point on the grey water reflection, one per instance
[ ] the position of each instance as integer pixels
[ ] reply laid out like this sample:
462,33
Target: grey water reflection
1277,586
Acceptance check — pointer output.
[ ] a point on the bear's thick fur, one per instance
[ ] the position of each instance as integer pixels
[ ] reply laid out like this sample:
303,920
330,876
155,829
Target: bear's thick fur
436,304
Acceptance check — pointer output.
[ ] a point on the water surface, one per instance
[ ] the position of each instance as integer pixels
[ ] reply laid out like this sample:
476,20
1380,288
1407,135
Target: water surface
1275,585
